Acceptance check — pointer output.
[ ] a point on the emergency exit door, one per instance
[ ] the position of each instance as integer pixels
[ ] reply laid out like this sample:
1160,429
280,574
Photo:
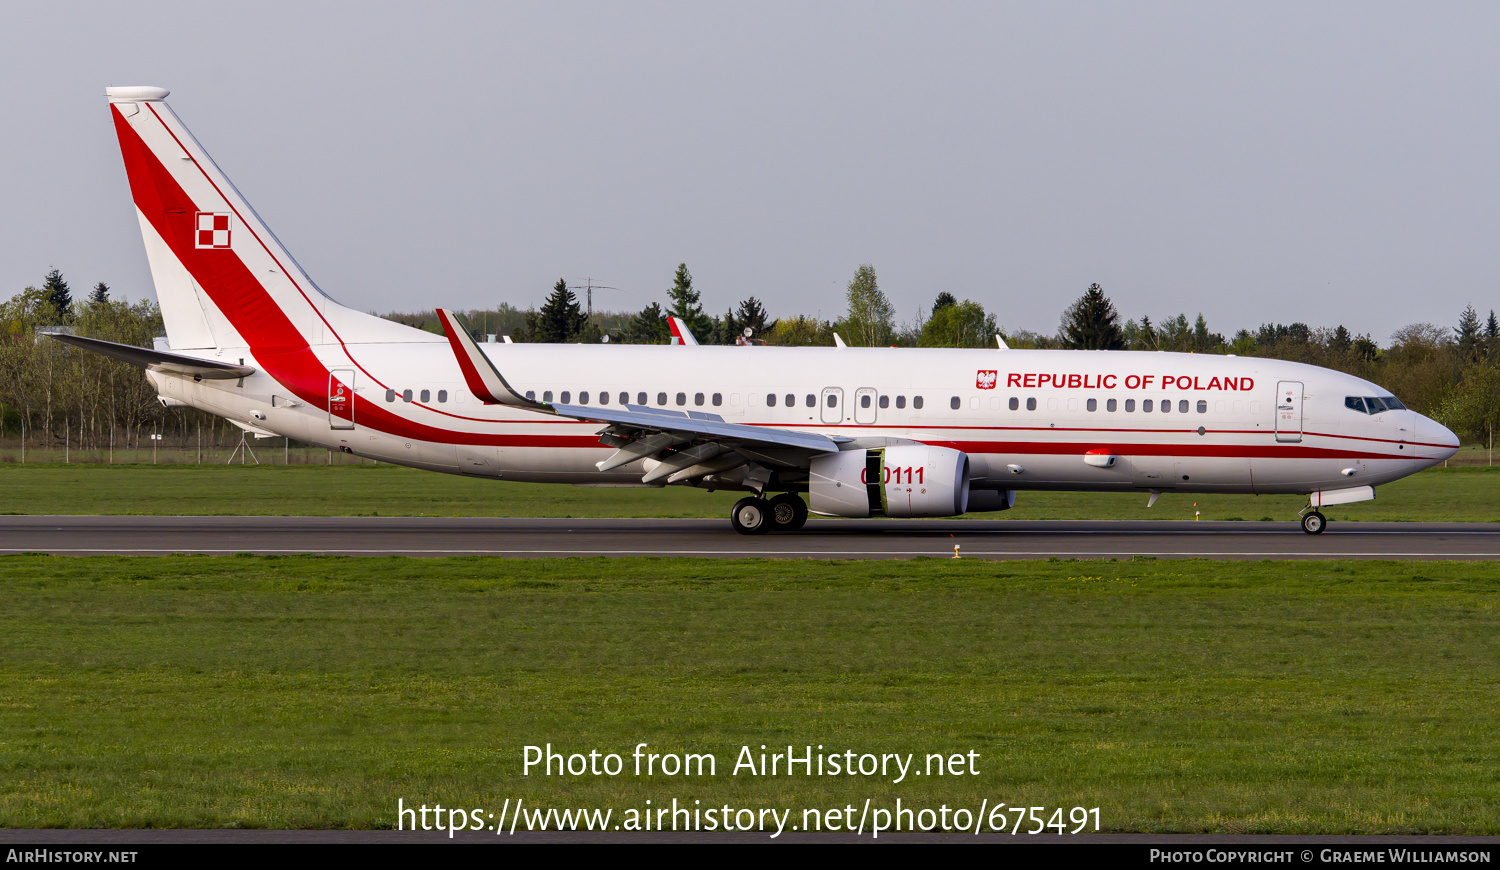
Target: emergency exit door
341,399
1288,410
833,405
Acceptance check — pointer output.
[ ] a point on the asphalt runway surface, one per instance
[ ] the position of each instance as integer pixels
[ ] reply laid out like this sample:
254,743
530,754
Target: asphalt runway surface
821,539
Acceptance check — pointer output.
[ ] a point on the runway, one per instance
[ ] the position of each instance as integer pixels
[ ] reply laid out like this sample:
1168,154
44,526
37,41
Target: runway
821,539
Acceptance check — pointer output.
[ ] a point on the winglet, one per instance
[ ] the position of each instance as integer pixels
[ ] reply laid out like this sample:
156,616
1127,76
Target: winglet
484,380
838,340
680,332
1000,341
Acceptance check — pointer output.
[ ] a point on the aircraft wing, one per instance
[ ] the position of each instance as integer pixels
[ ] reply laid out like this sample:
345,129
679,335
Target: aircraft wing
681,446
158,360
687,445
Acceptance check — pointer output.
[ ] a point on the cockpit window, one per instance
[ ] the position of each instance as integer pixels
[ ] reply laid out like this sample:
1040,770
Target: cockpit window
1373,404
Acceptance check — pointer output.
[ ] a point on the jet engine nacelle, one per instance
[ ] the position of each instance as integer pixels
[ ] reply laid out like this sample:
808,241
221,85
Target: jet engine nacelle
904,481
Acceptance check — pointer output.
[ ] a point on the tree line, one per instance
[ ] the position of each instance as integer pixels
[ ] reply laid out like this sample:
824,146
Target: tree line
1450,373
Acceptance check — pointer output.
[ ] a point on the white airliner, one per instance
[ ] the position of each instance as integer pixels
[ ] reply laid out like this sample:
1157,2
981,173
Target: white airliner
860,431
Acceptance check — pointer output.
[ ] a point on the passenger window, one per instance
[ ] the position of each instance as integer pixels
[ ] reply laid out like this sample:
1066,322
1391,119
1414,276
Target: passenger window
770,400
1202,407
718,399
885,402
1092,405
791,401
812,401
864,401
442,395
567,397
900,402
1110,406
1182,406
390,395
916,402
698,399
583,397
661,398
1031,404
1015,404
1147,406
832,400
681,399
531,395
604,397
427,396
954,403
406,395
1166,406
1130,406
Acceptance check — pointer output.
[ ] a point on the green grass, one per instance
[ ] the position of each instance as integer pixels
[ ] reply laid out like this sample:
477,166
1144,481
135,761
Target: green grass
1176,696
1468,494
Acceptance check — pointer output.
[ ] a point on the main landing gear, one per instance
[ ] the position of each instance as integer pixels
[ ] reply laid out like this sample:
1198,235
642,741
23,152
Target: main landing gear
1314,523
757,516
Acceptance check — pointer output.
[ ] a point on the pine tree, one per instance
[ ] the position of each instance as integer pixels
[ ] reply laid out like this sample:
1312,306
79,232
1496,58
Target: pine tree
1148,334
57,293
869,322
649,327
1468,335
685,304
1092,323
1491,334
100,294
943,300
752,314
561,318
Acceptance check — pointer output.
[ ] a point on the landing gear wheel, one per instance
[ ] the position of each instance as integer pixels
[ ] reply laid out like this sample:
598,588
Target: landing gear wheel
751,516
788,512
1314,523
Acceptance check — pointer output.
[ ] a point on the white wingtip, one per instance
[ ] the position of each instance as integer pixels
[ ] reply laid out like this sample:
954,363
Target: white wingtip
1000,341
838,341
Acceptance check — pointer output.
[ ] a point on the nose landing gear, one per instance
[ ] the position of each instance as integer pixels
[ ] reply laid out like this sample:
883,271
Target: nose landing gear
1313,522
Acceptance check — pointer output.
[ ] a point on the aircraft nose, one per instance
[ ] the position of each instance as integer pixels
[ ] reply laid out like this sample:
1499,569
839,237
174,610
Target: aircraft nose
1438,441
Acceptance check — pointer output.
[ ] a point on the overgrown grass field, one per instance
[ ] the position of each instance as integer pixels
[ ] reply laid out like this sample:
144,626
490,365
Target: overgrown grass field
1175,696
1467,494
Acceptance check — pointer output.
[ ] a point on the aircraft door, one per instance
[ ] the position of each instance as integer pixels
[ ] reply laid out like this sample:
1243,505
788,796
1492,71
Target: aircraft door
341,399
833,405
864,405
1289,411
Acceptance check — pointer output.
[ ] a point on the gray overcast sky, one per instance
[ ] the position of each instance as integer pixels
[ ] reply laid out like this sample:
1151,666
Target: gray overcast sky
1325,162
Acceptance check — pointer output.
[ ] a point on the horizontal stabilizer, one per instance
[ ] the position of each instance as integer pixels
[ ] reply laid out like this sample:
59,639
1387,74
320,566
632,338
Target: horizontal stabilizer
158,360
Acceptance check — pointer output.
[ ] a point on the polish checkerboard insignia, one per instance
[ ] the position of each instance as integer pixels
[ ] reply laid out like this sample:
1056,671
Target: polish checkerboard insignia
212,230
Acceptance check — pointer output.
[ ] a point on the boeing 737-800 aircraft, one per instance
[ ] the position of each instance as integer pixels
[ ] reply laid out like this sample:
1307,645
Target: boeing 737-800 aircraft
859,431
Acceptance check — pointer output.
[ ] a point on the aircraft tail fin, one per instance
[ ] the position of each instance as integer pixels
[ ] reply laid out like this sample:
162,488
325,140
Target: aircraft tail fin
222,277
